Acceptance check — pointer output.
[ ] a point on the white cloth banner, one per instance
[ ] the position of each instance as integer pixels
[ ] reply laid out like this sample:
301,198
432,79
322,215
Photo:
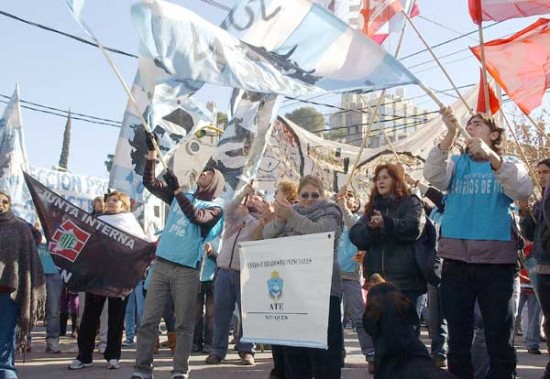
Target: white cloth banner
285,290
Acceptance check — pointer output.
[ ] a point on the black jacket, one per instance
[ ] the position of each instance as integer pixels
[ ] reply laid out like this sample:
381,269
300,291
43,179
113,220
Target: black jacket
390,251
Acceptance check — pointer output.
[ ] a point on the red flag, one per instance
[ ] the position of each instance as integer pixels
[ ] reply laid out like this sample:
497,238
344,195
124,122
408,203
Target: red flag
500,10
520,64
383,17
494,102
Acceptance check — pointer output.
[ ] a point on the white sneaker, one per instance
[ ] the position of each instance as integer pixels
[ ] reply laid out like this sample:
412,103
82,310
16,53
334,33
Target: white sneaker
52,347
77,365
113,364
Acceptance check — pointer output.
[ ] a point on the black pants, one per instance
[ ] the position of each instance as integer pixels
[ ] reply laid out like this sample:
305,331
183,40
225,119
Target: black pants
543,290
492,285
304,362
90,323
204,318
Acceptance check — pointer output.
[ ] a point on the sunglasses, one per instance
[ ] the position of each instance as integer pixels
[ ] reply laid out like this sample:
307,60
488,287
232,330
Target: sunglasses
5,202
306,195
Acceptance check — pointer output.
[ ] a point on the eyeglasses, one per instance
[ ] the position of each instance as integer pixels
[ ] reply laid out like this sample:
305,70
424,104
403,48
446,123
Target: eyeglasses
5,202
306,195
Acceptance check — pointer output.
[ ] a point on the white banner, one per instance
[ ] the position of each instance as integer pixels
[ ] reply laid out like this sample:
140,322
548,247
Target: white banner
285,290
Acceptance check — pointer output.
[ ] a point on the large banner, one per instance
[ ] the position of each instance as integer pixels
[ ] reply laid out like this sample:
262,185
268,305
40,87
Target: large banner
80,190
92,255
285,290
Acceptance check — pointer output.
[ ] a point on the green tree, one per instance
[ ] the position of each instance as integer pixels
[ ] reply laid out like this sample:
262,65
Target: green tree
308,118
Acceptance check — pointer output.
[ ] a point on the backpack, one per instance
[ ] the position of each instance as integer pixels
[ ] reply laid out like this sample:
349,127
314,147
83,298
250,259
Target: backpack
425,254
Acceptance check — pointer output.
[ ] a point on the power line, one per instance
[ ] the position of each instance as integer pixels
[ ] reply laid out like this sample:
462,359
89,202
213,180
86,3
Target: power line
44,27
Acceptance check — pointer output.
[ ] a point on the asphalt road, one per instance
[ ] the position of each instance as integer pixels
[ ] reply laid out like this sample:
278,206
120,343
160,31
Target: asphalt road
42,365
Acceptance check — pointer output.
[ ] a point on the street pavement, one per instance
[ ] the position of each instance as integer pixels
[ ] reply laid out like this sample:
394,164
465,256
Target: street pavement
42,365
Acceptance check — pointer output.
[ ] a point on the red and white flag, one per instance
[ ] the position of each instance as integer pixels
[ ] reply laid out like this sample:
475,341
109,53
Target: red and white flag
383,17
520,64
500,10
494,102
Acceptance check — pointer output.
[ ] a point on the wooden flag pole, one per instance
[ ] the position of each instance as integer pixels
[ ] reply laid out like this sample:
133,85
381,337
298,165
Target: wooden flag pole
129,93
438,63
373,116
484,72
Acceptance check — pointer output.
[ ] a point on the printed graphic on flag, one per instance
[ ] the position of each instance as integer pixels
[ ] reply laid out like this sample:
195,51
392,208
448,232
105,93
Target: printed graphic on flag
68,241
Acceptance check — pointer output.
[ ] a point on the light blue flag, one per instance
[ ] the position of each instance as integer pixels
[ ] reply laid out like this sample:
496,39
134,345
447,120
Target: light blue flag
330,53
187,48
13,159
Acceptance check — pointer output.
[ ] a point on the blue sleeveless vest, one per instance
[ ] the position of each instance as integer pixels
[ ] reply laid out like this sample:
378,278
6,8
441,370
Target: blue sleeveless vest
181,241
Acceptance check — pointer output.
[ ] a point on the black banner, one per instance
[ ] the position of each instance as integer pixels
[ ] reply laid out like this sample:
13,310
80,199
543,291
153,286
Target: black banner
91,255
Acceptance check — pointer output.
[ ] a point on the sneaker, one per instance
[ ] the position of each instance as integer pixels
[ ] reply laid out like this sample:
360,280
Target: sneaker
101,349
53,348
113,364
206,349
127,343
178,376
77,365
139,375
213,359
247,359
440,363
534,350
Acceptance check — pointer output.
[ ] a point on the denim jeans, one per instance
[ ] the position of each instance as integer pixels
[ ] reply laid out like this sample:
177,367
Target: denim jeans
353,300
416,298
54,285
8,336
134,311
492,286
437,324
531,323
304,363
227,292
180,283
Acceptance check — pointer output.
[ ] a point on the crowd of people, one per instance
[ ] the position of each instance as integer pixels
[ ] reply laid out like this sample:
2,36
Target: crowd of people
493,258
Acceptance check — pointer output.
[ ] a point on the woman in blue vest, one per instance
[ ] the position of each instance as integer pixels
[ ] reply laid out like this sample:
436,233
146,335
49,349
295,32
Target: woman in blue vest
193,219
477,241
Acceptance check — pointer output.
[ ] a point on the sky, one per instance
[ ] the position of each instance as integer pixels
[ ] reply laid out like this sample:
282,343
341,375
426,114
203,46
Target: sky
59,72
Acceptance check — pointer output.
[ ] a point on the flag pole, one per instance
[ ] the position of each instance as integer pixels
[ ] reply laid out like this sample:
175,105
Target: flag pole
484,70
124,85
373,116
438,62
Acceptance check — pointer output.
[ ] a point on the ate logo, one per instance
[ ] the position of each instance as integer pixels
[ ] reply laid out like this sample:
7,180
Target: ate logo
68,240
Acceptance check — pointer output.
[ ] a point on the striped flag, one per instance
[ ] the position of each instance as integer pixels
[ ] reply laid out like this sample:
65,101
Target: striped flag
500,10
383,17
524,80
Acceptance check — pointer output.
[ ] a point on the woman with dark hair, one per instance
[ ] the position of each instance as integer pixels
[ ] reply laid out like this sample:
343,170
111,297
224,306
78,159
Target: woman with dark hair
117,213
313,214
477,240
392,222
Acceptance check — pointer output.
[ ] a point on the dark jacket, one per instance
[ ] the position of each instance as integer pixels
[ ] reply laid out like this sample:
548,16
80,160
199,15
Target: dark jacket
390,251
533,228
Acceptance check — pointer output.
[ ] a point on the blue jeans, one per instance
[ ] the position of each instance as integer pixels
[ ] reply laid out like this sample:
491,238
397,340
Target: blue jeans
416,298
437,323
353,300
54,285
134,311
532,332
492,286
8,336
227,292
